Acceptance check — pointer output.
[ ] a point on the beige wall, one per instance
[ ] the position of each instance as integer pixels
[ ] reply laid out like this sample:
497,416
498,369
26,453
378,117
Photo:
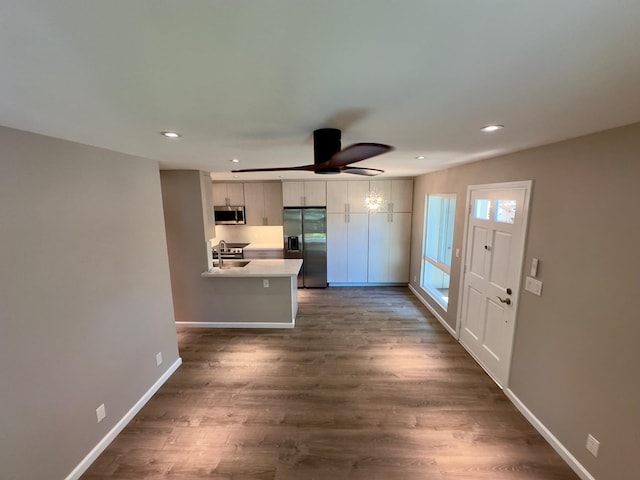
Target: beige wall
576,356
187,247
85,301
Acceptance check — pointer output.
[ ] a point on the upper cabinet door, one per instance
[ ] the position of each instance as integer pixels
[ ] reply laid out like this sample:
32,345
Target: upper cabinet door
219,192
383,187
235,193
273,203
398,194
357,192
228,194
292,194
304,194
263,203
337,197
402,195
254,203
315,194
347,196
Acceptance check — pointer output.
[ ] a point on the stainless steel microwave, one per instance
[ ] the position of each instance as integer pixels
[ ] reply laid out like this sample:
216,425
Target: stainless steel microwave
229,215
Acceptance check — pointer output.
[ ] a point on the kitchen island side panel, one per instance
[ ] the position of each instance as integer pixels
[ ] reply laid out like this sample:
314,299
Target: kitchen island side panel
247,300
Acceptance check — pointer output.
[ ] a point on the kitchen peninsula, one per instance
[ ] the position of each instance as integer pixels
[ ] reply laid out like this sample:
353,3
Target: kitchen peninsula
228,298
261,294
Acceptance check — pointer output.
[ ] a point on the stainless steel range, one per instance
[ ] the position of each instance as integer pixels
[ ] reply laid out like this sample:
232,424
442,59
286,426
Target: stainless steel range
230,250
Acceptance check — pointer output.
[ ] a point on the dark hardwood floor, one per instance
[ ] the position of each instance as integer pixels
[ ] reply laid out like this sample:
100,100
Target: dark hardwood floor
367,386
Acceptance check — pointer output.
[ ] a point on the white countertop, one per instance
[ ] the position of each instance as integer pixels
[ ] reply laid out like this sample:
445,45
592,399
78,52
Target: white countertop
264,246
279,267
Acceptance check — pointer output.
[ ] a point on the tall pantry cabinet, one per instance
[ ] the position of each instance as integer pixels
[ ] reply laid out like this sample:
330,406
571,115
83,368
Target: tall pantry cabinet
367,247
390,232
347,232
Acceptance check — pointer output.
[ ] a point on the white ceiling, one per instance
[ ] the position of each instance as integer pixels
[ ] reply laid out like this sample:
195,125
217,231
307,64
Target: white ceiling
252,79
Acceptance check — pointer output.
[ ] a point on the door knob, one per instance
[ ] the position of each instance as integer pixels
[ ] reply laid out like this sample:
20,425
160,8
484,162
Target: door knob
504,300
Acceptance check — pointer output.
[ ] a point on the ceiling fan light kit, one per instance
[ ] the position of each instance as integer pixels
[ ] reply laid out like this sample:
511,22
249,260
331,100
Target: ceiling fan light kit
329,159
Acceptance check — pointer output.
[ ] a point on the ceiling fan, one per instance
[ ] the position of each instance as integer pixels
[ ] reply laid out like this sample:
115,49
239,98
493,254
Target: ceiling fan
330,159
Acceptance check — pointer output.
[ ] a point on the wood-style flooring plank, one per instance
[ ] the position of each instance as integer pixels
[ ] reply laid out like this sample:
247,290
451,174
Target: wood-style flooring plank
368,385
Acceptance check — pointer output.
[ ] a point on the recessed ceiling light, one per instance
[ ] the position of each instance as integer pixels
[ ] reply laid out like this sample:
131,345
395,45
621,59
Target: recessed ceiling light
491,128
171,134
234,160
420,157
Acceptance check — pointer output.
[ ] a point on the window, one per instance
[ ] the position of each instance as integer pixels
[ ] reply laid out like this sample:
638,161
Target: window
438,246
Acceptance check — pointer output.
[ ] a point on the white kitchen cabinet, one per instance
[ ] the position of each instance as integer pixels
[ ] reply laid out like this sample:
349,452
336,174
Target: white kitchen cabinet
347,247
389,243
273,203
228,193
304,194
347,196
263,203
206,196
398,194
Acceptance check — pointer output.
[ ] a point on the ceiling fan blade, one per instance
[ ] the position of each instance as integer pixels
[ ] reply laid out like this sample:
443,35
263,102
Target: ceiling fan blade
310,168
369,172
356,153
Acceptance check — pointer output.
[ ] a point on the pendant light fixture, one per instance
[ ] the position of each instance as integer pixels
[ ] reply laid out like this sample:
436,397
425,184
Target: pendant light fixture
374,201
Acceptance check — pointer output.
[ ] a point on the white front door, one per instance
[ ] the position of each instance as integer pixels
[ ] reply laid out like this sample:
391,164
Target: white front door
495,234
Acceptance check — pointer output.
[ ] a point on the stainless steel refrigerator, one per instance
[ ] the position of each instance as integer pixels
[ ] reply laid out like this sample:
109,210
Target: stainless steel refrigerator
305,237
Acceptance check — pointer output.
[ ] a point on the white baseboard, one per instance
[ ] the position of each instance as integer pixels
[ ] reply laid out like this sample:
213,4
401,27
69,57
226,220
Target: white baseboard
236,324
434,312
549,437
575,465
118,427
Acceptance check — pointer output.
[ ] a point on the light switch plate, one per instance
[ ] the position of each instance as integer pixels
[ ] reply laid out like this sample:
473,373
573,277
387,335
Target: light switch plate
534,286
534,267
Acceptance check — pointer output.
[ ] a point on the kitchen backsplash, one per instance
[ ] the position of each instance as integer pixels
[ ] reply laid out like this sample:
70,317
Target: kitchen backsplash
248,234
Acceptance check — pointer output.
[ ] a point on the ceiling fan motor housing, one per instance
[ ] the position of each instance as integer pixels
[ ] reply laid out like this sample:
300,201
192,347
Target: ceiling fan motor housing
326,143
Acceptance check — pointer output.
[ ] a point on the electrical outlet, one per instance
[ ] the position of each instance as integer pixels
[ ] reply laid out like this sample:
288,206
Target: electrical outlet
415,279
265,283
158,358
593,445
101,413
